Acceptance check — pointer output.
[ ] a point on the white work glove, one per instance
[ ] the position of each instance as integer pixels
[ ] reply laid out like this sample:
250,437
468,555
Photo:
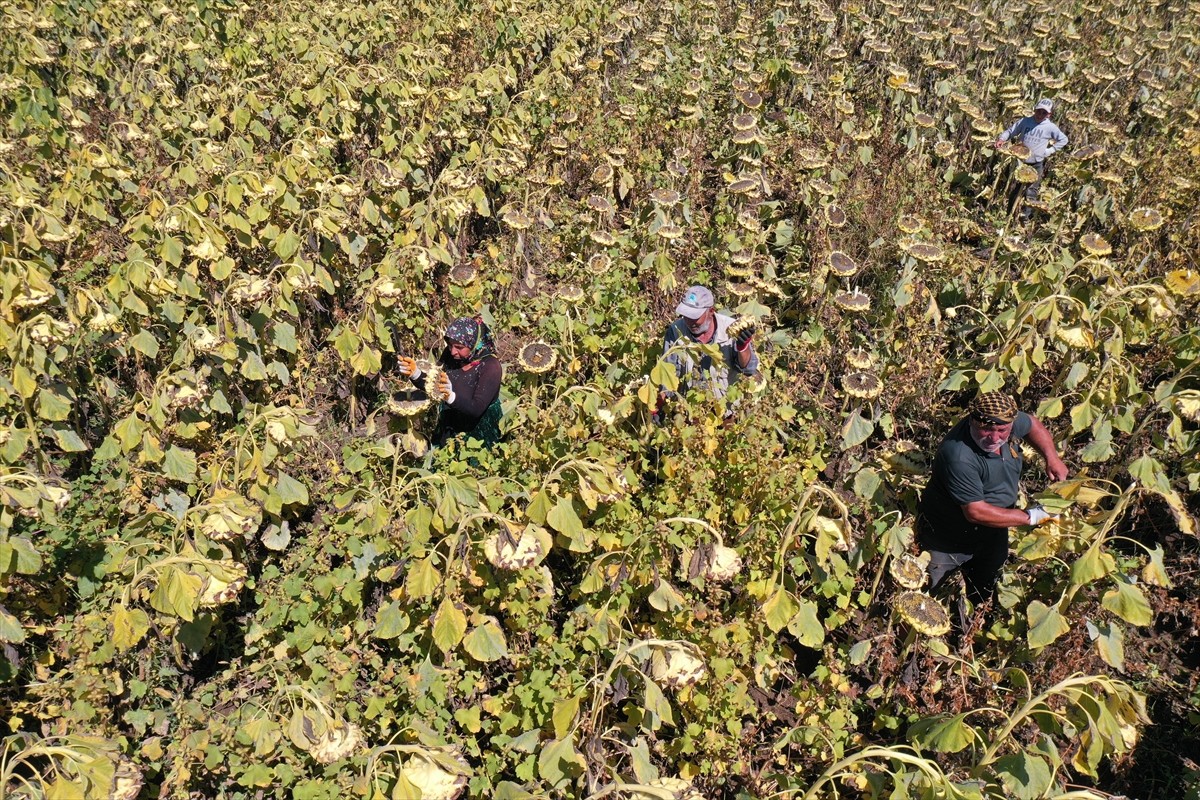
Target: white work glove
1038,515
1051,150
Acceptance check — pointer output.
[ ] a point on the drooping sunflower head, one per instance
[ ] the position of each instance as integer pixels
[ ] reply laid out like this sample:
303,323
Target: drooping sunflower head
407,403
463,274
571,295
1145,219
537,357
599,264
861,358
926,252
1182,282
741,325
925,614
863,385
1025,174
909,571
434,383
1095,244
855,301
841,264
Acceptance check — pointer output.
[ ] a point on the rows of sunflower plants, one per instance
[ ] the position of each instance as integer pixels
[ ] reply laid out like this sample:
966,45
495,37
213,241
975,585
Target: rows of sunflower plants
232,567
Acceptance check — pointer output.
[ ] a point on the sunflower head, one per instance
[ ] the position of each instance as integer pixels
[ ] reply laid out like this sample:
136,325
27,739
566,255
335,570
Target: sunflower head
922,612
1025,174
854,301
463,274
909,571
1145,219
537,357
1095,244
862,384
408,403
841,264
926,252
861,358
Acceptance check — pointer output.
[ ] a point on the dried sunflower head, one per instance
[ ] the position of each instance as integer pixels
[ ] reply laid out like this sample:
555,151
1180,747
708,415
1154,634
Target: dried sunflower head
943,149
434,385
835,216
909,571
537,357
741,325
926,252
861,384
516,219
744,186
463,274
841,264
910,224
599,264
1089,152
925,614
407,404
1025,174
855,301
571,294
665,197
906,457
1145,219
440,774
1095,244
1182,282
861,358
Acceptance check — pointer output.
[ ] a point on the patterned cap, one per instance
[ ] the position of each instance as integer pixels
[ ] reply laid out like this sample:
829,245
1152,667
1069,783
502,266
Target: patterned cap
1045,104
993,408
696,300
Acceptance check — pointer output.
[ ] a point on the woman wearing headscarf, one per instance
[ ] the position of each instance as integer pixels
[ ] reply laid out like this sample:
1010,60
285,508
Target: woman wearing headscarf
470,382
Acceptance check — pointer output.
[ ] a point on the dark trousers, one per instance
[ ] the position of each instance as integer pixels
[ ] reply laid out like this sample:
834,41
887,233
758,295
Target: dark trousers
980,569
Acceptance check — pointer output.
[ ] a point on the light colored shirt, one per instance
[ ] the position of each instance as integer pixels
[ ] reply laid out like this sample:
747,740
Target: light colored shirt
1042,138
698,371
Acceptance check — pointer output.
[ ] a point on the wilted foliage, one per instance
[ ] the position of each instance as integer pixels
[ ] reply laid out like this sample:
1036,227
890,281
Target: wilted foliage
230,566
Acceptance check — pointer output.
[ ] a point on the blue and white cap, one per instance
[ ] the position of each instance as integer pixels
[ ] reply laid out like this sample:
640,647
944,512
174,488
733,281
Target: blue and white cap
1045,104
696,300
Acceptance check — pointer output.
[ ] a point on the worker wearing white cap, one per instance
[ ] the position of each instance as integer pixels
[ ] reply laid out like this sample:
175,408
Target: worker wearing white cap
1043,138
699,323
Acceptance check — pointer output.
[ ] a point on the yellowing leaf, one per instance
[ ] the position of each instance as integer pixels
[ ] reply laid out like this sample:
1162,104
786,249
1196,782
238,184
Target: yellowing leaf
1046,624
449,625
129,625
1129,603
486,642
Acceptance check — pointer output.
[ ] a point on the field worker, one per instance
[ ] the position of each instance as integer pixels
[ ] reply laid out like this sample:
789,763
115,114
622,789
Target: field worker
699,323
969,504
469,382
1043,138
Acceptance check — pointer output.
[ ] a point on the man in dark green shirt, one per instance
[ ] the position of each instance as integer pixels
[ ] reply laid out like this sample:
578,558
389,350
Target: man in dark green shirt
970,502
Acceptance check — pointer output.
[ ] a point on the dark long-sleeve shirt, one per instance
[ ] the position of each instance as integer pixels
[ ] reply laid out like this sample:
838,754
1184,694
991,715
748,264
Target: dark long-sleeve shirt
474,390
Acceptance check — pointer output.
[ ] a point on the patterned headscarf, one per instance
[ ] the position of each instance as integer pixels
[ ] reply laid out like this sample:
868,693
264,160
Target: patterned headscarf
993,408
474,333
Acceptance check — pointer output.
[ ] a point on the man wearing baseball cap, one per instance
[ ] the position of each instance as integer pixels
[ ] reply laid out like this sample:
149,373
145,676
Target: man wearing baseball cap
970,502
699,323
1043,138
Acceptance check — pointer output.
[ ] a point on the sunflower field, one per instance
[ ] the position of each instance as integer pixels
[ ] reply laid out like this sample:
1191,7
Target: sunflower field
231,566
